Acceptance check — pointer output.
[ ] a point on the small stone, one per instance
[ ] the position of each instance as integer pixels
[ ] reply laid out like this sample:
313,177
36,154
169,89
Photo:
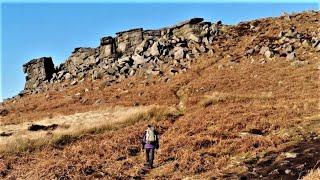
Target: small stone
249,51
173,71
263,50
205,40
211,52
291,56
202,49
96,75
98,175
269,54
188,56
287,171
67,76
315,43
306,43
317,48
47,96
179,54
290,155
299,63
281,34
221,66
289,49
74,82
195,51
132,72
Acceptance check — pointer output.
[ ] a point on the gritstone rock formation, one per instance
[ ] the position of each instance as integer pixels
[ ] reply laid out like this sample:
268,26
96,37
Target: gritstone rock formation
38,71
131,52
161,52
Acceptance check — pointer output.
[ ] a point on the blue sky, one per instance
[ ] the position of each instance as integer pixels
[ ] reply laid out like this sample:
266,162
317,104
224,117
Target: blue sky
31,30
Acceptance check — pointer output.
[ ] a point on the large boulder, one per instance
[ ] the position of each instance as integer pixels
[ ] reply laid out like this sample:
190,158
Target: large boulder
107,46
154,50
137,59
193,29
106,40
179,53
38,71
142,47
126,41
194,38
80,57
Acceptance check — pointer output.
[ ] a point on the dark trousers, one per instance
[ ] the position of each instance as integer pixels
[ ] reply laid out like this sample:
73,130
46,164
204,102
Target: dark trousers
150,157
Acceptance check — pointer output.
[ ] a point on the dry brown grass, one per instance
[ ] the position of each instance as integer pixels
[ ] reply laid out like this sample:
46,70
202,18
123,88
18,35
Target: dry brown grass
207,141
217,97
313,175
111,120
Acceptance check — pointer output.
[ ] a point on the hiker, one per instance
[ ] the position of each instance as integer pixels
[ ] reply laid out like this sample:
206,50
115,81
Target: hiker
150,143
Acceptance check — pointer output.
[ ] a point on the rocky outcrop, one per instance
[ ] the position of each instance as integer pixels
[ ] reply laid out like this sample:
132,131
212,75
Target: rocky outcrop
132,52
126,41
38,71
285,45
165,51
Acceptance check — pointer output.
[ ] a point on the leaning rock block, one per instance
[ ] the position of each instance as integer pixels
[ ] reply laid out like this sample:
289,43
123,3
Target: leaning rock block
107,47
38,71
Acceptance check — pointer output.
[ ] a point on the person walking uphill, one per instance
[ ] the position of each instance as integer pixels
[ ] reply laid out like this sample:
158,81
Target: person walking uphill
150,143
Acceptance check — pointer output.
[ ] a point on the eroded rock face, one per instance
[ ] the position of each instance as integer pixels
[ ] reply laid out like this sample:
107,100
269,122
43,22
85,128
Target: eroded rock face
107,47
38,71
126,41
133,52
163,52
80,58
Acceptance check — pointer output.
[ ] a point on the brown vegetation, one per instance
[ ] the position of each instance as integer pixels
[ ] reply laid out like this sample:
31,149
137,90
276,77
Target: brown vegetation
236,116
313,174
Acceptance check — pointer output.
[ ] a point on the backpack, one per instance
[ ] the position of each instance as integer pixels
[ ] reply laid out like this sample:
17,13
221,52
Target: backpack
150,135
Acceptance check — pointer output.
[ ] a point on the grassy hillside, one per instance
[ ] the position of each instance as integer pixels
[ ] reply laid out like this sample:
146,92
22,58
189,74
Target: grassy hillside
234,116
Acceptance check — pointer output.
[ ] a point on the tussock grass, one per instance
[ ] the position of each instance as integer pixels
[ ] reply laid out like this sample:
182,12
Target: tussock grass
217,97
313,174
61,138
155,113
314,117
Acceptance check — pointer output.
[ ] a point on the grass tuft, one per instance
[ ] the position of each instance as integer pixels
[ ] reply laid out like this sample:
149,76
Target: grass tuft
312,175
217,97
61,139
